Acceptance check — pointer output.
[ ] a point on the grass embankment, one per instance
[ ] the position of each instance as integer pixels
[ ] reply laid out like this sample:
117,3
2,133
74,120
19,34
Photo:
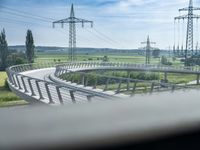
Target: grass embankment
172,78
7,98
63,57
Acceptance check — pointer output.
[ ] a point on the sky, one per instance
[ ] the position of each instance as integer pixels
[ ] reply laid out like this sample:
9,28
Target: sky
121,24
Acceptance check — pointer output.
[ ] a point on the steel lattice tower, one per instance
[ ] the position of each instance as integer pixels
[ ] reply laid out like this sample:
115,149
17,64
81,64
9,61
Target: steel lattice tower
148,49
189,51
72,21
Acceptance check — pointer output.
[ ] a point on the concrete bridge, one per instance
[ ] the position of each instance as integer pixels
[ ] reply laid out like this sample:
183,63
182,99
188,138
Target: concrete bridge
143,122
129,68
40,83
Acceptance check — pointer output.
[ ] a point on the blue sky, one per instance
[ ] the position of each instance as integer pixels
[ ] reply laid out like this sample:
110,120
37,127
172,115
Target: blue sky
125,23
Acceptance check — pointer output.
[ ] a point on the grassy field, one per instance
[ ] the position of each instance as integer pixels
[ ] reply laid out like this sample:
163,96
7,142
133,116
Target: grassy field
50,57
7,98
173,78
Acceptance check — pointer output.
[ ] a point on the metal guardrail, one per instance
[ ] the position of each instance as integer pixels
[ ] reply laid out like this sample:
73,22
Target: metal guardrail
113,65
44,91
122,84
56,93
79,68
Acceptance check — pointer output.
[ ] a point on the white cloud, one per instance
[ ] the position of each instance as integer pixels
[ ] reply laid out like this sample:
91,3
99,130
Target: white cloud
126,21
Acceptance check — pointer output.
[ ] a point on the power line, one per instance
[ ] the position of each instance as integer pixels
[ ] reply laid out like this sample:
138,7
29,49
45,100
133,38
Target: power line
72,21
20,21
23,16
27,13
101,38
114,41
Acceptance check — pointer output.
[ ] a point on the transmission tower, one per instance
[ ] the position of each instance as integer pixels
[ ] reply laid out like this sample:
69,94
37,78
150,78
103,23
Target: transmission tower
148,49
189,51
72,21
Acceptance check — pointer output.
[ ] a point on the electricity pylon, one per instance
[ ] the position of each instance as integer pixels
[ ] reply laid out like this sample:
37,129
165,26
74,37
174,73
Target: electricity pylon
189,51
72,21
148,49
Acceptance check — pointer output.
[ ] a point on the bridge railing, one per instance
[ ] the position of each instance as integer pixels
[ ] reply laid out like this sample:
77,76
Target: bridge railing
48,92
84,77
72,65
44,91
117,84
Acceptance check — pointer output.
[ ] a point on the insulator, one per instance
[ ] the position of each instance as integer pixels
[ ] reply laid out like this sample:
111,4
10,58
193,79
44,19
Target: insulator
82,24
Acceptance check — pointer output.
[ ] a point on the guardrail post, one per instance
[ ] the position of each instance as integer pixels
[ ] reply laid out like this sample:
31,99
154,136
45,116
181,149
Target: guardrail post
83,79
134,87
95,83
66,77
128,85
152,87
31,87
49,94
59,95
19,85
24,85
73,79
9,76
198,77
39,90
16,69
89,98
165,77
86,81
173,88
72,96
60,72
119,87
22,68
128,74
107,83
14,79
19,69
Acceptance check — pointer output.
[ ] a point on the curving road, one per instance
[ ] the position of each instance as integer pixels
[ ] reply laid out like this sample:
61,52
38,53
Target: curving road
110,124
40,83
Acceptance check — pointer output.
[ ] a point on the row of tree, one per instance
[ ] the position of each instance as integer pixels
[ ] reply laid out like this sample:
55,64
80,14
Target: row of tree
5,53
3,50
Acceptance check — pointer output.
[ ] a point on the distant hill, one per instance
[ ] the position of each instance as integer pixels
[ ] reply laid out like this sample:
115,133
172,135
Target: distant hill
86,51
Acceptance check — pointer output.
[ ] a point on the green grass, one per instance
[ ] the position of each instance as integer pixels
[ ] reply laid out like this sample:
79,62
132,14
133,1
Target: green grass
12,103
3,77
179,78
7,98
6,95
173,78
49,57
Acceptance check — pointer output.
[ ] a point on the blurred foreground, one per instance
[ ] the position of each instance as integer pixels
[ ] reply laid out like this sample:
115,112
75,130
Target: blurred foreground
158,121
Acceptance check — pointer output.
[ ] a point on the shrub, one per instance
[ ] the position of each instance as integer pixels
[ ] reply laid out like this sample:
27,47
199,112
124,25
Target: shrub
6,86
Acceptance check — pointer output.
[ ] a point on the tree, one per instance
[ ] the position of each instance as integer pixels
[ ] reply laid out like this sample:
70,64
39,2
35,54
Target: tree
173,59
156,53
3,50
30,47
105,59
164,60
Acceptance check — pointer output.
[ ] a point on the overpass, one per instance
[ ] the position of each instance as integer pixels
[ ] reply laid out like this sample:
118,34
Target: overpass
41,83
90,66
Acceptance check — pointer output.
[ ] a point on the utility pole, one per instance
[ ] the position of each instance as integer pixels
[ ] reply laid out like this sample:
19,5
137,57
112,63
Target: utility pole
148,49
189,51
72,21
